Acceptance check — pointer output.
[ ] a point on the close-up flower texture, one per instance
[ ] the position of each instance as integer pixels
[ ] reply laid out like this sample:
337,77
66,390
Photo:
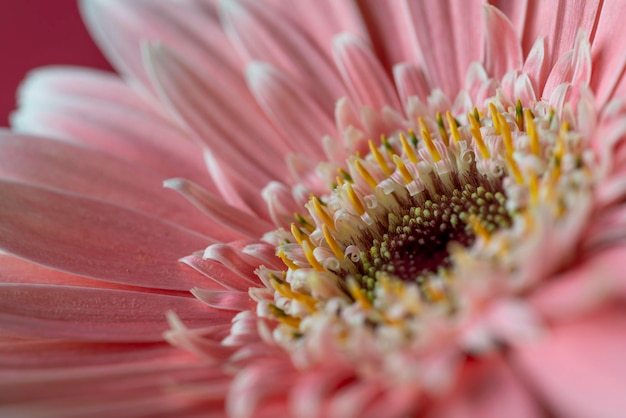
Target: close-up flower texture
321,209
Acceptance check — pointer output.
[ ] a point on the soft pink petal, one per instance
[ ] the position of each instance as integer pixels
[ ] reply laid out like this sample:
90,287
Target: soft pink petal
83,314
323,19
389,40
128,133
290,109
240,223
159,388
579,368
536,66
367,81
120,27
237,261
27,354
503,51
609,61
515,11
260,34
583,287
77,82
95,239
558,22
76,169
448,37
488,389
217,274
229,300
214,114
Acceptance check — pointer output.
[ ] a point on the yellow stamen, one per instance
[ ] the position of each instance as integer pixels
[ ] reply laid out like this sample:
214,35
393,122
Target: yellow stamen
288,262
379,158
531,130
519,115
387,146
454,130
478,227
357,293
332,243
339,181
345,175
409,151
428,140
302,221
514,169
406,175
310,257
533,187
478,137
285,290
366,175
326,218
506,134
297,233
495,117
354,199
283,317
442,130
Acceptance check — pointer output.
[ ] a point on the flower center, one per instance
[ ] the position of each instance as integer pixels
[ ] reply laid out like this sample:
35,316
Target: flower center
404,227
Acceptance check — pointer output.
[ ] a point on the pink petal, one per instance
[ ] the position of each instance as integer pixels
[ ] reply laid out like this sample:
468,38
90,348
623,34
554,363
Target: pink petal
323,19
260,34
218,122
290,109
486,389
229,300
503,51
224,214
448,37
80,82
609,62
535,65
515,11
361,71
83,314
121,27
559,23
131,134
584,287
579,368
389,41
220,276
95,239
410,81
64,166
27,354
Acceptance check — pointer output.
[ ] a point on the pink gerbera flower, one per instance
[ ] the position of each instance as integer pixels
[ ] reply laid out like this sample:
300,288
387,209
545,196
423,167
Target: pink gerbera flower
411,208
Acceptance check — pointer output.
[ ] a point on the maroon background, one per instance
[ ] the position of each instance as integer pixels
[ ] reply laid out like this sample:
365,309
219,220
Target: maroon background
35,33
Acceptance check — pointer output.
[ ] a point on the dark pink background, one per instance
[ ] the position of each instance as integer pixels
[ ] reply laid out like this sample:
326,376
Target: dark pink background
34,33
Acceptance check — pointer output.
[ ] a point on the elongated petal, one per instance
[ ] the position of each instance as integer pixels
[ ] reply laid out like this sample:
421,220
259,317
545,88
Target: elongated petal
261,34
128,133
579,369
367,81
227,216
448,38
488,388
76,169
291,110
83,314
503,51
215,115
94,239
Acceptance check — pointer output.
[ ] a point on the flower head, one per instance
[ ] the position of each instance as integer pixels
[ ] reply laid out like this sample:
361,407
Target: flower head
414,209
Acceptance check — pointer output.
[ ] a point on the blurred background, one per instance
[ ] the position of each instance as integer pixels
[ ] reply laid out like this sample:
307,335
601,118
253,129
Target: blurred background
34,33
